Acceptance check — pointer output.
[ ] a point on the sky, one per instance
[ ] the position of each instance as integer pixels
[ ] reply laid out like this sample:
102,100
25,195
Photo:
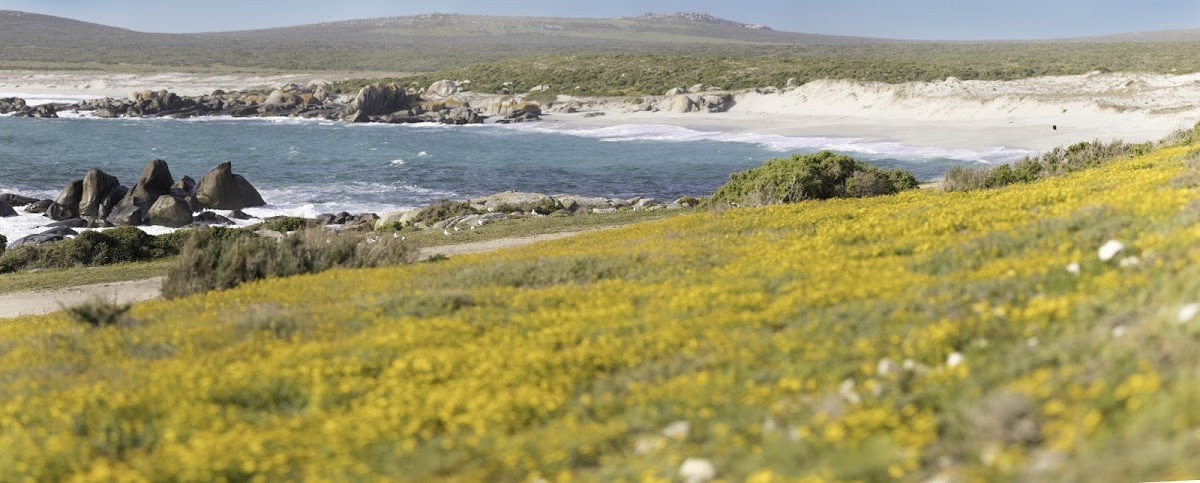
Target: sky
901,19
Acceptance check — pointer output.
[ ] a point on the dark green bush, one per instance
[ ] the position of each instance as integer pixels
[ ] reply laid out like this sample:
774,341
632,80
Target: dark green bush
98,313
817,176
3,244
92,248
284,224
217,260
442,210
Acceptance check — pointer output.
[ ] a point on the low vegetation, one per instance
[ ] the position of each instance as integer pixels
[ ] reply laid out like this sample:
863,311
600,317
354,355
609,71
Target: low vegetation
1057,162
816,176
93,248
218,259
976,336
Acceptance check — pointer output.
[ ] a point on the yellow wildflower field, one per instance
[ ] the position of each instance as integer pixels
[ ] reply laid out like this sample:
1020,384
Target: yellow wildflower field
967,336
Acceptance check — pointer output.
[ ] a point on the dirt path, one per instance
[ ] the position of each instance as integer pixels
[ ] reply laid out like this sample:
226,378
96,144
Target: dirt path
44,302
47,301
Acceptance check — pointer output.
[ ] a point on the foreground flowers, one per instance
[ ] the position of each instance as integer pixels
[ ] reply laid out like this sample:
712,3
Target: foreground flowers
913,336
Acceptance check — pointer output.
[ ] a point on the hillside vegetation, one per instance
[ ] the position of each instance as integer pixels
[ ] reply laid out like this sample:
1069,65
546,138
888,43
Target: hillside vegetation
1042,331
603,56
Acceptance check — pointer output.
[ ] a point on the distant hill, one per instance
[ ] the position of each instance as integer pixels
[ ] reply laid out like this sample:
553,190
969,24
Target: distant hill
408,44
693,45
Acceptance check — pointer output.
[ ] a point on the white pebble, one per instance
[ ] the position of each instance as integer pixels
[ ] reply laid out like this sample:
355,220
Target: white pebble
1129,262
885,367
1074,268
697,470
677,430
1188,312
954,360
1110,250
1118,331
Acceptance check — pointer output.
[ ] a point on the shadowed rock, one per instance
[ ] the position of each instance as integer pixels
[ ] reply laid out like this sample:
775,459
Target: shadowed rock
66,206
222,190
170,211
97,185
6,210
155,181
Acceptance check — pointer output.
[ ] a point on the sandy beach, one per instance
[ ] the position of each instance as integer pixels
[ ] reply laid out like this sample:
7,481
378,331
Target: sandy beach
1033,114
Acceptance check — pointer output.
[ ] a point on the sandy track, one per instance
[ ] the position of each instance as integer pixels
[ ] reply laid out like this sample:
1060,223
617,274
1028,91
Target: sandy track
47,301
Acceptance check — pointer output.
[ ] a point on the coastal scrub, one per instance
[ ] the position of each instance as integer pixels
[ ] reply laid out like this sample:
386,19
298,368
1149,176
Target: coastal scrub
924,335
815,176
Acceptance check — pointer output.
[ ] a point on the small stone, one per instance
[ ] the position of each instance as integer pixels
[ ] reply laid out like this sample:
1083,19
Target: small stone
697,470
954,360
1074,269
677,430
1187,313
1118,331
1110,249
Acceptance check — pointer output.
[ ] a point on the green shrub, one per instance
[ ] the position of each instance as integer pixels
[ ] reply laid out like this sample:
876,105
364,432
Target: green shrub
805,177
98,313
217,260
284,224
92,248
442,210
3,244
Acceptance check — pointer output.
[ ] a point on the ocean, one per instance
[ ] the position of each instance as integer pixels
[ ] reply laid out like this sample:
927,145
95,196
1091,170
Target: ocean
307,167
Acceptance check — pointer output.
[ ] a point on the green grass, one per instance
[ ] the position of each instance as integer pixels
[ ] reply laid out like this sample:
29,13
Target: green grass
523,227
51,279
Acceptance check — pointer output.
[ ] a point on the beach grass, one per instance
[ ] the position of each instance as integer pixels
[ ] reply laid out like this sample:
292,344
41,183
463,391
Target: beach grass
57,278
1040,331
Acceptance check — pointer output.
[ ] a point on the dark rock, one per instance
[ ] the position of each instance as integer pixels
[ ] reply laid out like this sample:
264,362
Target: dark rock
185,186
61,230
47,111
100,224
170,211
39,239
67,204
129,212
106,113
154,181
39,207
378,99
240,215
210,218
17,200
12,104
72,223
222,190
6,210
113,199
96,187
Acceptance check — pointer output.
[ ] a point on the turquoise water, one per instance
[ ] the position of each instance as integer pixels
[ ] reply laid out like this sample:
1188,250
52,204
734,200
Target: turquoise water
308,167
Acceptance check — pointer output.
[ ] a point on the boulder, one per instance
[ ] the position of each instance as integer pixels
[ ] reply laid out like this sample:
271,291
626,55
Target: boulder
240,215
39,239
582,204
39,207
792,82
696,89
210,218
60,230
97,185
171,212
6,210
72,223
377,99
716,103
441,89
185,186
17,200
155,181
402,218
687,201
510,201
680,103
676,91
129,212
220,189
67,204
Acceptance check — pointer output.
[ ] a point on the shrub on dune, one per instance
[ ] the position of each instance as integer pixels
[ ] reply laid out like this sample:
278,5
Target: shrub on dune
816,176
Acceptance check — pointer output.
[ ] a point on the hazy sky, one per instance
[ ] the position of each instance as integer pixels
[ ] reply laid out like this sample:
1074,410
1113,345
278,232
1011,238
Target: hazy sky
911,19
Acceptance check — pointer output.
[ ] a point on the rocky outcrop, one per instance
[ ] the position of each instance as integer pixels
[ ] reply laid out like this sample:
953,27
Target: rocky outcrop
171,212
39,207
66,206
376,100
441,89
97,186
685,103
222,190
517,201
154,181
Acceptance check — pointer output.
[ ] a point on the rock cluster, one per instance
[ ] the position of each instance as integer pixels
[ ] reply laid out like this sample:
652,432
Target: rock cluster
383,103
100,200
